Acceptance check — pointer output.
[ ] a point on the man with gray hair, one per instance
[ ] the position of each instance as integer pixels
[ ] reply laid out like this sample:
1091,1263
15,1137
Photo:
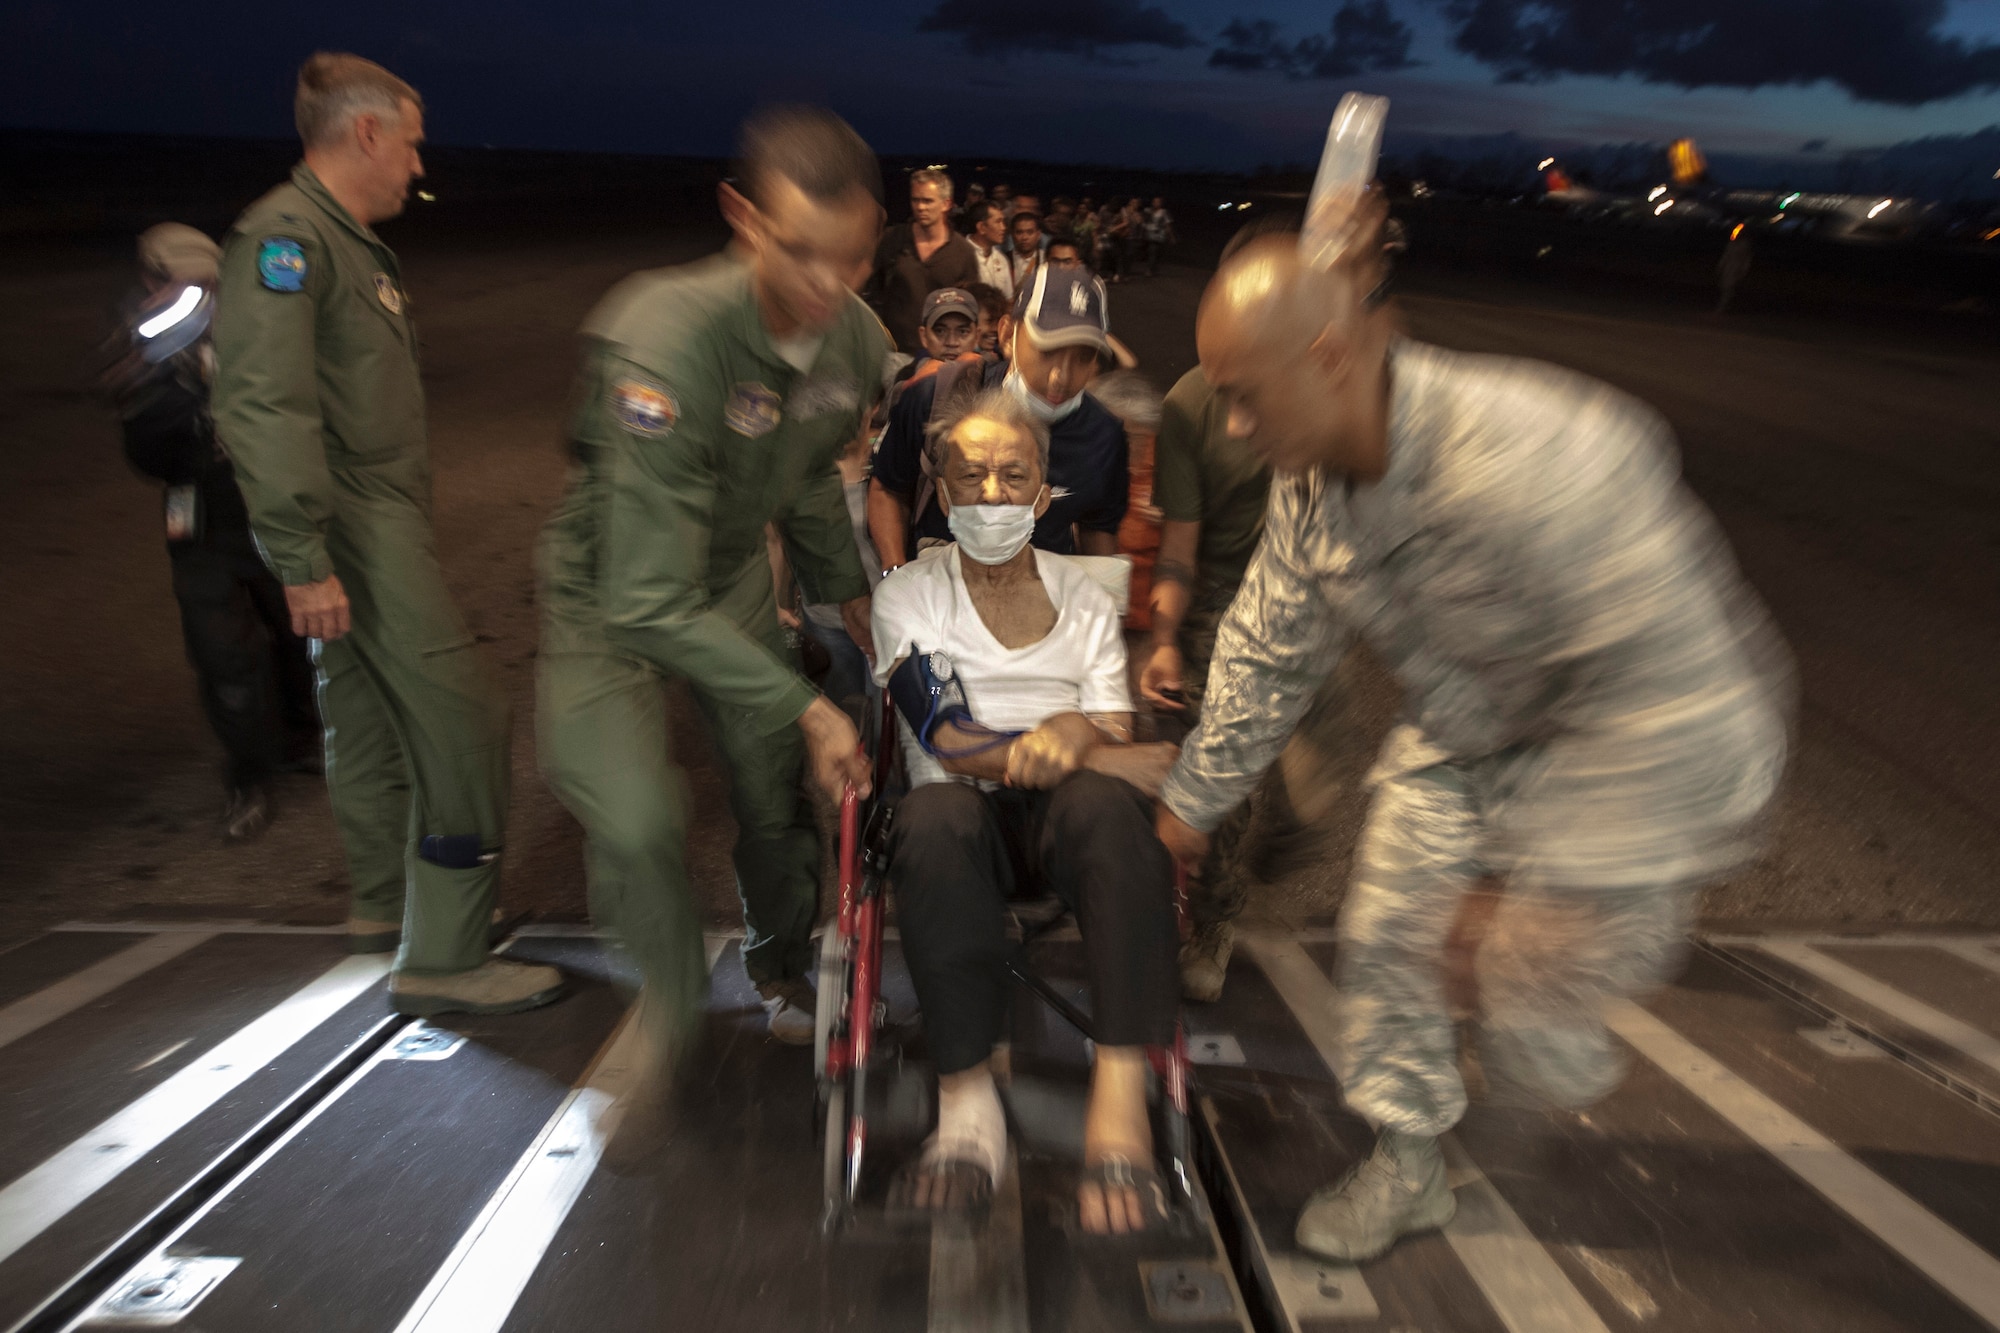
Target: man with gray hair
918,257
1032,774
319,404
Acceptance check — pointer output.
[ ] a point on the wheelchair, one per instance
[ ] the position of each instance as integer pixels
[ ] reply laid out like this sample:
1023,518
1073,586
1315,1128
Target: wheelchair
861,1078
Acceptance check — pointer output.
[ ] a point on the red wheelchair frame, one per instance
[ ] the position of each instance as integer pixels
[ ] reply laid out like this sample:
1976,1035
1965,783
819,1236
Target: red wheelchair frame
851,964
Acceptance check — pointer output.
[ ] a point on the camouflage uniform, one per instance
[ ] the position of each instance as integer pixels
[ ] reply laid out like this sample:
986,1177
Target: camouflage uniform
1595,714
1263,834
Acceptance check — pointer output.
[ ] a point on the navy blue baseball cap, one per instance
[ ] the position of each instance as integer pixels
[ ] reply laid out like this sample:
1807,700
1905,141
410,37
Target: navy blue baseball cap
1065,307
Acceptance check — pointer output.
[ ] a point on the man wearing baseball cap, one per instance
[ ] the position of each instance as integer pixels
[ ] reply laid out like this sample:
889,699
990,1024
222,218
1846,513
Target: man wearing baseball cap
1053,342
948,329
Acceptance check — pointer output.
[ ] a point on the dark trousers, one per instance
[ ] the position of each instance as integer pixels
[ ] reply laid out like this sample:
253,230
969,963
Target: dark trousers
957,854
254,675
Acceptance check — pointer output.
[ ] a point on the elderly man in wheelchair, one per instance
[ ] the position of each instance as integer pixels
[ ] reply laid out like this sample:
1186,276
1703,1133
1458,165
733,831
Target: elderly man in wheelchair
1007,667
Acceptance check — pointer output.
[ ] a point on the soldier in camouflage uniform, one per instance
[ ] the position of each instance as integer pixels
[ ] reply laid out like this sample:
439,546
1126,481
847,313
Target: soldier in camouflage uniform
1594,706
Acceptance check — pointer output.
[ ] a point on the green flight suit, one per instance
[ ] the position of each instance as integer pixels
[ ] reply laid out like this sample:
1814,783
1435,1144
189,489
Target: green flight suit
319,404
690,434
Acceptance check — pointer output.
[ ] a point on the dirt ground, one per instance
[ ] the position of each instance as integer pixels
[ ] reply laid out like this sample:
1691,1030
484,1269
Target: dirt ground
1857,475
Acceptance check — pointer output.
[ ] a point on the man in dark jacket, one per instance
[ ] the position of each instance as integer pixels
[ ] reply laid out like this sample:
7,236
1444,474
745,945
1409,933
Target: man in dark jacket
915,258
253,673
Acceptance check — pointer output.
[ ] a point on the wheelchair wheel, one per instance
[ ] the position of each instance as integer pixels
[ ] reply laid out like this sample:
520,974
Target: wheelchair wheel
830,990
834,1203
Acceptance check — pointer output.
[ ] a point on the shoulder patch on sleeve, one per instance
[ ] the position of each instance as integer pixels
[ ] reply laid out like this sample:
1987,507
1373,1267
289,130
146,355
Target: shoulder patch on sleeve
643,405
281,264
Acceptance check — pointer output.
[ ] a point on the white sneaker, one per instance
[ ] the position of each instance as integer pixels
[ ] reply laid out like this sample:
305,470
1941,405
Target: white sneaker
1398,1191
788,1006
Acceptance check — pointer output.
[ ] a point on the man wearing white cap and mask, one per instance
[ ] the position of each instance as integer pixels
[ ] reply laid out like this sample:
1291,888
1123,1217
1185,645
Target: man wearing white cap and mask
1054,342
252,672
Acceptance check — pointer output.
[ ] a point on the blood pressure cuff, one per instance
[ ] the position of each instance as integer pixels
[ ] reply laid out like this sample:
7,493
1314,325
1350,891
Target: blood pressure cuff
926,692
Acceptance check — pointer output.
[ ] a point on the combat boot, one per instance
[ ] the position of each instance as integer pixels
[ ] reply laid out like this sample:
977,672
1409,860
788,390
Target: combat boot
1398,1191
496,986
1205,961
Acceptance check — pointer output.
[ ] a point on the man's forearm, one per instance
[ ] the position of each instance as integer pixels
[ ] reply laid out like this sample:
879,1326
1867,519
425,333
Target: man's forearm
990,765
1173,578
1170,598
888,522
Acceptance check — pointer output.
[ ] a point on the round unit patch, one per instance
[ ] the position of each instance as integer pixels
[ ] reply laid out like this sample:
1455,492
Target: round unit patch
385,291
281,264
644,406
752,410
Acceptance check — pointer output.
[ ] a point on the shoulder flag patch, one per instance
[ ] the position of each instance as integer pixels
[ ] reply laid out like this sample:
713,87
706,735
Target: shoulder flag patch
281,264
643,406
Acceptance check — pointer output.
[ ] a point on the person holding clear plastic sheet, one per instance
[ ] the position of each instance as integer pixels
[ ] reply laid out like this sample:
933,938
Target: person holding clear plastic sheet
1595,706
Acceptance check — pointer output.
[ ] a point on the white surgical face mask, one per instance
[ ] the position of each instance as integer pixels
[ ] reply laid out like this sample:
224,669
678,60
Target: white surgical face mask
1044,411
991,534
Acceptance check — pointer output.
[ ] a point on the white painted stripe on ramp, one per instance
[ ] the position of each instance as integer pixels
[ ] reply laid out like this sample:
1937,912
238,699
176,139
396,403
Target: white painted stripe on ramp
92,983
1526,1288
1972,951
1961,1036
36,1200
475,1289
1928,1244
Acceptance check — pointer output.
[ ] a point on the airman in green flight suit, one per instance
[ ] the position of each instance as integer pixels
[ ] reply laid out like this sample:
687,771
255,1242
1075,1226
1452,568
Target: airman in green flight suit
320,407
714,400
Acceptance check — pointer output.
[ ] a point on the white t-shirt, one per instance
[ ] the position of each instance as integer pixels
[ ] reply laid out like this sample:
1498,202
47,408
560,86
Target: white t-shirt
1077,667
800,350
995,270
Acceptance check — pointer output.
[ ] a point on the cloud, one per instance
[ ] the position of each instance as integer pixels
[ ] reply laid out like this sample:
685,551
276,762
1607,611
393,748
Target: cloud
1878,50
1365,38
1080,27
1813,146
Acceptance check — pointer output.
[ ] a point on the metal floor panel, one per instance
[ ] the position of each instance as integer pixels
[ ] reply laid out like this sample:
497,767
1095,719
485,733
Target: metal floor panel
1946,1038
46,959
100,1063
725,1235
71,1073
342,1226
1664,1215
1683,1202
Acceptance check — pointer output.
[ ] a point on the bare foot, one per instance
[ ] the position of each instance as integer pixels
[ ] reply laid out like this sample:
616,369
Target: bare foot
1120,1191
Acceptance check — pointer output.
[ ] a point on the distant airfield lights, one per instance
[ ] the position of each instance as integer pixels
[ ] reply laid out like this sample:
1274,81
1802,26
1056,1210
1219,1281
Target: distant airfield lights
185,303
1664,205
1245,204
1548,162
1880,206
1655,193
427,196
1788,201
1224,206
1735,231
1686,161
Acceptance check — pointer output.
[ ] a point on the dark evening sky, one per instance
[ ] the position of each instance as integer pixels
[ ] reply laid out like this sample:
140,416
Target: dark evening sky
1171,83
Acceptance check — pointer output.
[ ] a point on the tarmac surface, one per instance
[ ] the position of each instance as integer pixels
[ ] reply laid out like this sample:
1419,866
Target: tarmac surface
1857,475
